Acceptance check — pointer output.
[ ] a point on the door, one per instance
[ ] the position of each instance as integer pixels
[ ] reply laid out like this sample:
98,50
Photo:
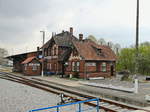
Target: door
112,70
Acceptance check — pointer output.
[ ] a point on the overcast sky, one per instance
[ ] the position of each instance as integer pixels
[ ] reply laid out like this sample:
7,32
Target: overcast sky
113,20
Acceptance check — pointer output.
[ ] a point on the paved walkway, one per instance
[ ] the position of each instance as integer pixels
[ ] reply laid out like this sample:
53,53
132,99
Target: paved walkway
132,98
66,82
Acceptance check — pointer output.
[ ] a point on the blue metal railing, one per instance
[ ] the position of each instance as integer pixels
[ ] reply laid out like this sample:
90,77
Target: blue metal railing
57,107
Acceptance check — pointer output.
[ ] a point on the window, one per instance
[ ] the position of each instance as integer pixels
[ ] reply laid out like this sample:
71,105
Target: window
55,67
47,66
99,51
75,66
55,51
90,64
103,67
45,52
50,66
35,66
25,67
49,51
78,66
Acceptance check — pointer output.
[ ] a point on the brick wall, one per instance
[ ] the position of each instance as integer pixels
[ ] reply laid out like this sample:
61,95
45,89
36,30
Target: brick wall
29,69
90,71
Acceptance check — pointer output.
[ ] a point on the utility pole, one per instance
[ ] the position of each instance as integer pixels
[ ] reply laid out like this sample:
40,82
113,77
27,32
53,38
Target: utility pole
137,38
137,26
42,73
137,50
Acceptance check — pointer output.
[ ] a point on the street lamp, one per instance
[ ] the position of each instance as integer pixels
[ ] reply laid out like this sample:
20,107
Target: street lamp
42,72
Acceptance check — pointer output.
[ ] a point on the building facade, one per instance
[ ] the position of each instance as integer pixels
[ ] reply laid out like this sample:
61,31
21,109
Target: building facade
27,63
31,66
67,55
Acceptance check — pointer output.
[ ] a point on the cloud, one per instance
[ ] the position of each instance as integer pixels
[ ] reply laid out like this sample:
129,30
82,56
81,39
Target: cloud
114,20
23,8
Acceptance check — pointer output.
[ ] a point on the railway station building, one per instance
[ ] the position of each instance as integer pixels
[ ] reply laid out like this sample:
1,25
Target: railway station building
68,55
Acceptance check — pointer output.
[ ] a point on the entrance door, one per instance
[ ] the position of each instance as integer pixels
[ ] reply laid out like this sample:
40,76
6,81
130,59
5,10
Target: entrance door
112,70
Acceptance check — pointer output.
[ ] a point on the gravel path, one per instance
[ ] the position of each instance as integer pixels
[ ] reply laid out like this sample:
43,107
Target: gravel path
16,97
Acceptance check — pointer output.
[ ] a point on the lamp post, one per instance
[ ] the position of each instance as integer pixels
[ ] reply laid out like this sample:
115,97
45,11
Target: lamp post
42,73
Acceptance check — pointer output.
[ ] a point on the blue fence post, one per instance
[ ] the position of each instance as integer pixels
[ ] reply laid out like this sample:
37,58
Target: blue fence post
79,107
57,109
98,105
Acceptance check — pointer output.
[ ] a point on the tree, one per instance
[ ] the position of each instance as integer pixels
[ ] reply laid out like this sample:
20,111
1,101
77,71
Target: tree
144,59
126,59
110,44
101,41
91,37
3,54
117,48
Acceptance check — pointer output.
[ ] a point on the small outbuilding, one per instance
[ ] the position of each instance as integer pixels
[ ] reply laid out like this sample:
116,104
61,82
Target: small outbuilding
31,66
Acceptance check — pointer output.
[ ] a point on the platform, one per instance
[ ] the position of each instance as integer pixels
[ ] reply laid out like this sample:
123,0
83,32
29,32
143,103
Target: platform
125,97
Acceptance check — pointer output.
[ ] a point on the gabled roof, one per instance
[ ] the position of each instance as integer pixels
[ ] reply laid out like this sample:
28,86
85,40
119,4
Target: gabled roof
62,39
87,49
28,60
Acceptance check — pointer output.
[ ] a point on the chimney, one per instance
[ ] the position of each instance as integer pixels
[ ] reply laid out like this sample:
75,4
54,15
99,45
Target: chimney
71,30
80,37
38,52
38,48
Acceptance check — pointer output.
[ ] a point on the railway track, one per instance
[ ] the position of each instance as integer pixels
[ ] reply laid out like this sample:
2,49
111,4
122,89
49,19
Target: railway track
106,105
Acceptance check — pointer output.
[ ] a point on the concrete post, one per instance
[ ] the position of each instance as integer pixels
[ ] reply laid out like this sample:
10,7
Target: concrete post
136,86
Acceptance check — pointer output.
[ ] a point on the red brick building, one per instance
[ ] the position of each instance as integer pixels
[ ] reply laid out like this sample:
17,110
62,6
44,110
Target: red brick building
31,66
91,60
26,59
66,54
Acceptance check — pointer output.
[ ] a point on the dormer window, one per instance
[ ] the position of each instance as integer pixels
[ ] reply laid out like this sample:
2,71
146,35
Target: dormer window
99,51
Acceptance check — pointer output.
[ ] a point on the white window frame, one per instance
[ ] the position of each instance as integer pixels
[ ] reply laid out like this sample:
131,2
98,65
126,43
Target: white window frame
25,67
90,64
76,66
50,66
34,67
104,67
73,64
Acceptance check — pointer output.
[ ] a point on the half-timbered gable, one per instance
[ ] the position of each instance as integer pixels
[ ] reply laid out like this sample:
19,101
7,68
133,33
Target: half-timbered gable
57,51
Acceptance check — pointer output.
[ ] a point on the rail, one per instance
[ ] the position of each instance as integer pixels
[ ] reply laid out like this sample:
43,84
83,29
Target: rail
107,105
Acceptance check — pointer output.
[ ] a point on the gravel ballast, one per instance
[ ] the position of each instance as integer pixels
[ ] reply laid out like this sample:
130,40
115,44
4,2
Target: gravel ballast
15,97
